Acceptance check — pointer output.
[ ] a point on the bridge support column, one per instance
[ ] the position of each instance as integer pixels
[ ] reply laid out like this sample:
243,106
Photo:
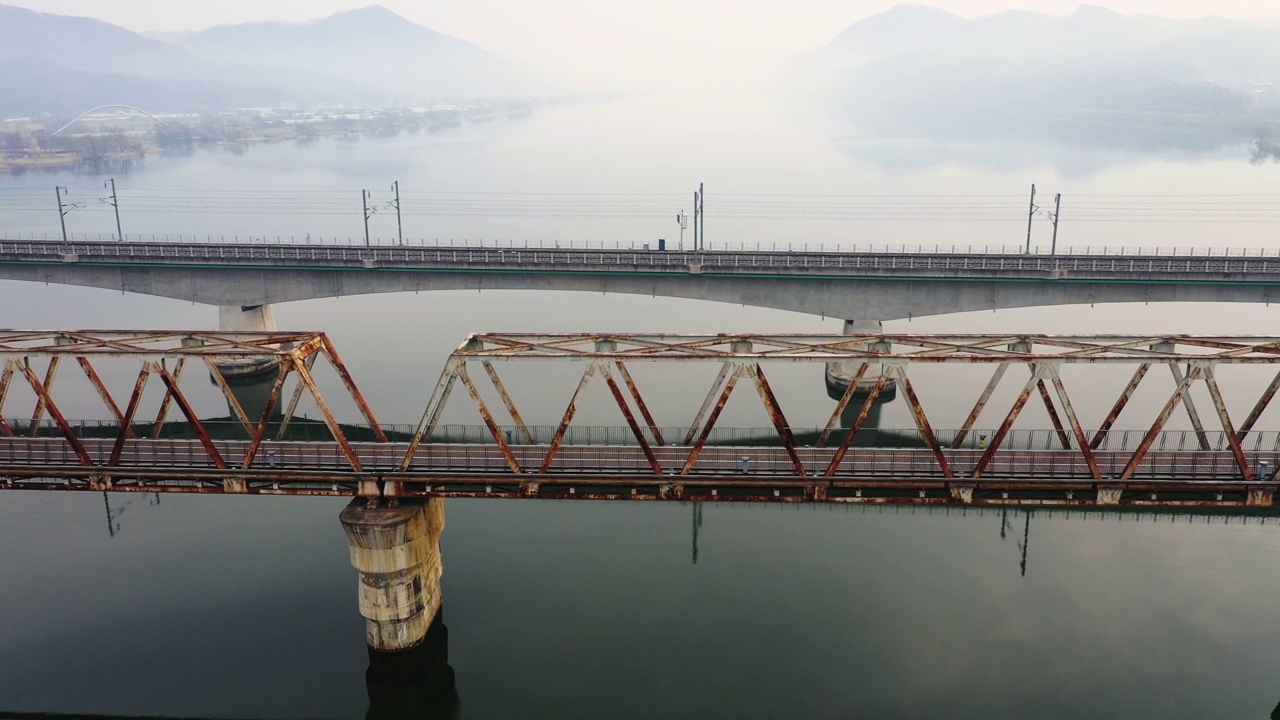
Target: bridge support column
250,380
840,374
396,551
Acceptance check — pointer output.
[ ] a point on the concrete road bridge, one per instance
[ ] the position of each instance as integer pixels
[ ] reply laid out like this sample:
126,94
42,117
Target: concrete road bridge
867,285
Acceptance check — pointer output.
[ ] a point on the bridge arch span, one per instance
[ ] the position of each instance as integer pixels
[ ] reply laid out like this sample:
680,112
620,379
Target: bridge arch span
90,111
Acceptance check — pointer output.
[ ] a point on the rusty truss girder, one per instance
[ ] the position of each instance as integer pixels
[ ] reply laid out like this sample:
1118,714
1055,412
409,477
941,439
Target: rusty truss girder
660,464
162,357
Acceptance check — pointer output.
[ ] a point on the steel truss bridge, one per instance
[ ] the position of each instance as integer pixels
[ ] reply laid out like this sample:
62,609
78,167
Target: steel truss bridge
1225,463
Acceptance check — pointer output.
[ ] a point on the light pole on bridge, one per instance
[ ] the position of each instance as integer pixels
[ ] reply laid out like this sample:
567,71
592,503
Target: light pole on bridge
364,200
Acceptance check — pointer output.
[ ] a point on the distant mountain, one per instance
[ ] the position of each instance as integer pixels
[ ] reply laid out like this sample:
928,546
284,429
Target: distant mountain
33,86
1095,73
60,64
902,28
374,46
85,44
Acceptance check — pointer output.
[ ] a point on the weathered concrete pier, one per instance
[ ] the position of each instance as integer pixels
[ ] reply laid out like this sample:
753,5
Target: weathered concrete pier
395,547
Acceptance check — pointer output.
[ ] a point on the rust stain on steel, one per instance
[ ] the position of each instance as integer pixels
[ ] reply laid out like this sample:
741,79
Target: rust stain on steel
431,414
967,426
285,366
126,418
237,409
42,400
563,427
1063,438
304,374
844,403
1201,436
1005,426
42,394
631,419
1258,408
163,413
1215,394
706,403
330,352
508,401
185,407
1114,413
922,422
779,420
487,417
98,385
1136,459
5,378
845,444
640,403
296,398
696,450
1076,428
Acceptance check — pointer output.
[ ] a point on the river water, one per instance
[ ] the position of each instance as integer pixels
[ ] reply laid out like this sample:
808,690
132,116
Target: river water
245,607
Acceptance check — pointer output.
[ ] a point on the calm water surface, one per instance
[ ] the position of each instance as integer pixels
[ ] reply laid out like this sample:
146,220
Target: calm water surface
245,607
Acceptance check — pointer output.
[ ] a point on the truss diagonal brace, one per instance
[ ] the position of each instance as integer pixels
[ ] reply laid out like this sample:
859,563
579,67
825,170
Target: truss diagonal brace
42,394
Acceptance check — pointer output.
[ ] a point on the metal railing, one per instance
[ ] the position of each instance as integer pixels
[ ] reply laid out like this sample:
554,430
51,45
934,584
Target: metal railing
652,245
621,436
630,261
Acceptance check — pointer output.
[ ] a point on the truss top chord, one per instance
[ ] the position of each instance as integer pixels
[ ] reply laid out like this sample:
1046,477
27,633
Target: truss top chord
1026,348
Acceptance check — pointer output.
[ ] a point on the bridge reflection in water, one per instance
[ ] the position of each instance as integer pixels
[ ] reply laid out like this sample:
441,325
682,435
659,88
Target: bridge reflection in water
417,684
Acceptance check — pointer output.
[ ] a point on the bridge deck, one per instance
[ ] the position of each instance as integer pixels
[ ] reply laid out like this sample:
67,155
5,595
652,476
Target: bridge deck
961,263
1015,477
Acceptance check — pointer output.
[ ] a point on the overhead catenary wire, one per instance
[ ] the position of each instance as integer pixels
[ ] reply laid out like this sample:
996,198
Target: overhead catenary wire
1227,208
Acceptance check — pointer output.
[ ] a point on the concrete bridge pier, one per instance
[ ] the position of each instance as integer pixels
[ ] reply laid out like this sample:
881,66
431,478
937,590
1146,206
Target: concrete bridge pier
396,551
840,374
250,380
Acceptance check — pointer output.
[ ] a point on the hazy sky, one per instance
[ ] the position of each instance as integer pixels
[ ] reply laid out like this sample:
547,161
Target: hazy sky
614,40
